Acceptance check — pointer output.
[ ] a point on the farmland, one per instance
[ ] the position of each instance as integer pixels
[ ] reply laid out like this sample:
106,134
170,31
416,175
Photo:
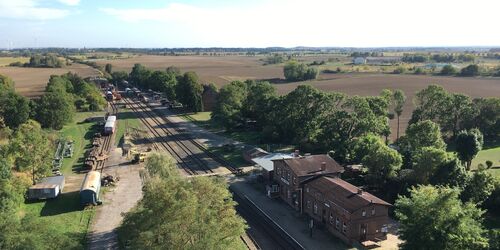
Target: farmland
223,69
31,81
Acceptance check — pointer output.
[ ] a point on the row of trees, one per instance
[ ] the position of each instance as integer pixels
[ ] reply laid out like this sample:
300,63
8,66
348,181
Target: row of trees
454,111
181,214
185,88
63,96
41,61
441,58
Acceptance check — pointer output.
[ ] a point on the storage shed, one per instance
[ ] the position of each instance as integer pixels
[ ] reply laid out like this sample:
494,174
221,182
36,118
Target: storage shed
91,186
49,187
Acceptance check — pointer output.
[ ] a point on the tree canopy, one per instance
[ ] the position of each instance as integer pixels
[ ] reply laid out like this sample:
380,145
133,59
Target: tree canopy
468,144
435,218
295,71
182,214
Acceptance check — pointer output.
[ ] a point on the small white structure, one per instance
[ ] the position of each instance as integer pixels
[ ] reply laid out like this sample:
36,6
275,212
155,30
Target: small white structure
359,60
49,187
266,163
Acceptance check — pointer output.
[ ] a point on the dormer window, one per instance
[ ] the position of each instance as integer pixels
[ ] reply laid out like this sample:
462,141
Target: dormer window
363,213
373,211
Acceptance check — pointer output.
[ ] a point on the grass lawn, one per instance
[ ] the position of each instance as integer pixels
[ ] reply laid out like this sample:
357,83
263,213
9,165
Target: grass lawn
126,119
4,61
232,155
201,119
490,152
64,214
82,135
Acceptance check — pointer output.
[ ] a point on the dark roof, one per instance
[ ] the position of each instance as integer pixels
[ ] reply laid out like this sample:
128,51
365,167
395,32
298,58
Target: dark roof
255,152
311,165
348,195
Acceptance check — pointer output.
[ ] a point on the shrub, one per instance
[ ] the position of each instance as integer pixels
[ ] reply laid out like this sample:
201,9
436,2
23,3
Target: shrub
489,164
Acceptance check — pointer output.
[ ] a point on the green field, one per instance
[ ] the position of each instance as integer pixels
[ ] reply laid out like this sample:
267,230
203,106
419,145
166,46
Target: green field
4,61
82,134
126,119
492,154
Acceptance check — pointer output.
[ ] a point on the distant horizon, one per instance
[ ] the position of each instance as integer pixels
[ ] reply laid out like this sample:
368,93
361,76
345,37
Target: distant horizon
269,47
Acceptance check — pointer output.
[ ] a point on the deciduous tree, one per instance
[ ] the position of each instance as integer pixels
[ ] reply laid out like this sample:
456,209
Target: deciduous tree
468,144
435,218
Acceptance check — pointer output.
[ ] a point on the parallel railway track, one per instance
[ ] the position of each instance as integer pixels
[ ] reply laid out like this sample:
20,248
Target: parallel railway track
107,141
185,152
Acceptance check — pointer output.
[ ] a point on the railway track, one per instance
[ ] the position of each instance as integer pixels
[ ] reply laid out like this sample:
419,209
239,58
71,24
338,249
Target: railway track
107,141
187,155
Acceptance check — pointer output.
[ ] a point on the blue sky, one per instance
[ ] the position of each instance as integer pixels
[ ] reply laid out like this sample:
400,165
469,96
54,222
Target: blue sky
257,23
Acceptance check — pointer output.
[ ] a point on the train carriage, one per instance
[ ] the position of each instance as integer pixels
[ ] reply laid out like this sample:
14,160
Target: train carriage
109,127
91,186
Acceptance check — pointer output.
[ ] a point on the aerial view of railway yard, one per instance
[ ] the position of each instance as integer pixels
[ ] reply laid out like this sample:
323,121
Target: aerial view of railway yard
219,125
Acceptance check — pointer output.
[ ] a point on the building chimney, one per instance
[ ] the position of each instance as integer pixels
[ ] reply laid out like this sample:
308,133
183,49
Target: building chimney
360,191
323,166
296,153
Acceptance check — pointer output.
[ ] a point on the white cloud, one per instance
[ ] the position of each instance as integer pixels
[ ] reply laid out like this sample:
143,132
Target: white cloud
327,22
70,2
29,9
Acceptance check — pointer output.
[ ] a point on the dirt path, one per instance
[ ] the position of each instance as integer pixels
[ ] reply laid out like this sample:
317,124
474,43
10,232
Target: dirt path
117,200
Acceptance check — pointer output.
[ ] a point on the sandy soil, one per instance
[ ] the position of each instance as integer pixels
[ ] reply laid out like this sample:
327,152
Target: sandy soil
119,199
32,81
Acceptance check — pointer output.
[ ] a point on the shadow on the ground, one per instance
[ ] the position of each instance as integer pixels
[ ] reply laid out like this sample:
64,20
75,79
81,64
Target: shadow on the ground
64,203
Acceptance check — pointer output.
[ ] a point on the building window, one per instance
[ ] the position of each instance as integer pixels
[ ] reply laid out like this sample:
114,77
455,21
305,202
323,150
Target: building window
344,227
288,176
331,218
308,204
363,213
315,208
294,180
307,189
337,223
373,211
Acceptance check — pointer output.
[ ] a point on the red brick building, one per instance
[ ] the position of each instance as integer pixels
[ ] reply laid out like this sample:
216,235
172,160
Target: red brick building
346,211
291,174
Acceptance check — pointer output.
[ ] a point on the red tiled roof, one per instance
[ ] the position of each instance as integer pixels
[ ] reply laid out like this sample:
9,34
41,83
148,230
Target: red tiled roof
345,193
311,165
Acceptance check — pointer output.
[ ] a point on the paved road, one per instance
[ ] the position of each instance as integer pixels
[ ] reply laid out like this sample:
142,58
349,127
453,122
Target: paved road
119,199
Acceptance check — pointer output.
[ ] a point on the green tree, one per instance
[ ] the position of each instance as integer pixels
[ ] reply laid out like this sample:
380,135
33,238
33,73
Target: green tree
426,161
118,77
471,70
139,75
55,109
480,187
451,173
108,68
164,82
448,70
421,134
14,109
6,83
188,214
32,150
431,103
487,117
295,71
435,218
258,100
467,145
59,83
457,114
229,105
399,101
382,163
189,91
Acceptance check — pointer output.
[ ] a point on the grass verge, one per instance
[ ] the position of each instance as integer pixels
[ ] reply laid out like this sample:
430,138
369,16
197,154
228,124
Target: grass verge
126,119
